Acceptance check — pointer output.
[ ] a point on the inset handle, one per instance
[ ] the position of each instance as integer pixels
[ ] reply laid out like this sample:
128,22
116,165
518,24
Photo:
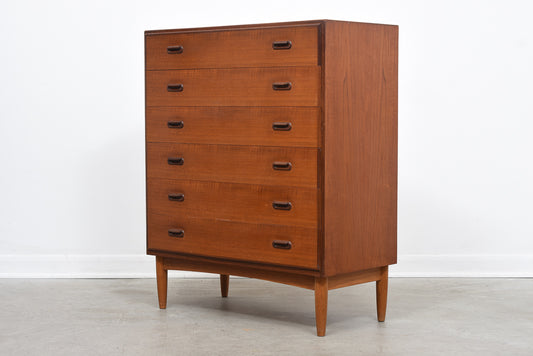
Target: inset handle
175,161
176,197
176,232
282,205
284,245
282,86
281,126
174,49
174,88
175,124
282,166
281,45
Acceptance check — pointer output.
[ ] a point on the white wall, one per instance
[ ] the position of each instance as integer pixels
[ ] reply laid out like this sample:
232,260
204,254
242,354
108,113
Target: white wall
71,130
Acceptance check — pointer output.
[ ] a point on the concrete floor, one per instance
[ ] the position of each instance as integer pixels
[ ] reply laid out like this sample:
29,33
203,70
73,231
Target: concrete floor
108,317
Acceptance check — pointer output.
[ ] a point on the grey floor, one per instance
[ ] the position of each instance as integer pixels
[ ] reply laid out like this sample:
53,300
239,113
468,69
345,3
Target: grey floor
107,317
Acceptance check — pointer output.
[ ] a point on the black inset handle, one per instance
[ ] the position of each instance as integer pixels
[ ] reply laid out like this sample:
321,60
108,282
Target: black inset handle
282,205
282,166
281,126
176,233
174,49
175,161
282,86
176,197
175,124
174,88
281,45
284,245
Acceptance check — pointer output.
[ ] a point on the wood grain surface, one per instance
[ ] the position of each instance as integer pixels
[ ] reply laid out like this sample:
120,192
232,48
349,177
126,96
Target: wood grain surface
360,139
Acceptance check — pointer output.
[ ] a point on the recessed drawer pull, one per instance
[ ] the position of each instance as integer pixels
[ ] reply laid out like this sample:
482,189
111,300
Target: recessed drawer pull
282,86
175,161
174,49
284,245
176,232
282,166
281,45
176,197
282,205
281,126
173,88
175,124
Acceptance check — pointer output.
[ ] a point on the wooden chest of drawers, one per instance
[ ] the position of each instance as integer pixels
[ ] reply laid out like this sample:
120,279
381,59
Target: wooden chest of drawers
271,152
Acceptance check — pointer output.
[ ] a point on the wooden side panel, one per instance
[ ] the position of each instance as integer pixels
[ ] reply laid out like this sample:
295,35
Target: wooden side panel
234,87
232,48
360,137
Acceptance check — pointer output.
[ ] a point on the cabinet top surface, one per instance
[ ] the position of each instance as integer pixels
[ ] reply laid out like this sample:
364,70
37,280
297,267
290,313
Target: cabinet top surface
251,26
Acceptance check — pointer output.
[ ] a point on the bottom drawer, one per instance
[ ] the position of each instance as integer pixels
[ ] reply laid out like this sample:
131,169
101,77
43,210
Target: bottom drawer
276,244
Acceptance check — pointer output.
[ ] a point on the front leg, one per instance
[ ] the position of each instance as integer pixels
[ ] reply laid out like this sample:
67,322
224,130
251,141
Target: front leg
224,285
321,305
162,281
381,293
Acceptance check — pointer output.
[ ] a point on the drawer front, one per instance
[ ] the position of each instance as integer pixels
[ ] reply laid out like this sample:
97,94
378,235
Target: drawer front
283,86
234,125
238,48
292,166
227,239
231,201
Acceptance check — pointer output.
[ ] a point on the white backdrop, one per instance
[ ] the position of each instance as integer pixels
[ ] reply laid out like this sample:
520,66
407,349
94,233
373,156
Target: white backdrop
72,130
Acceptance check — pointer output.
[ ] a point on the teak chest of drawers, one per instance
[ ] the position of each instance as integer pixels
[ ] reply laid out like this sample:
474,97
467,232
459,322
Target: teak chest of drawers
271,153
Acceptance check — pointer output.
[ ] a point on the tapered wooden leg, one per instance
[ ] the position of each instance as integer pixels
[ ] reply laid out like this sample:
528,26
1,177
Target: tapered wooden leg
162,280
381,293
321,305
224,285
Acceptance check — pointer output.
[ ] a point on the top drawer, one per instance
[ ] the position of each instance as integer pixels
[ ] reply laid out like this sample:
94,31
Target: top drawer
285,46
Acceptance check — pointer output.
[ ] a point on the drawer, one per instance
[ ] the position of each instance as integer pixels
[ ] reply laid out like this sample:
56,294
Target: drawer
283,86
265,126
285,166
237,48
234,240
294,206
